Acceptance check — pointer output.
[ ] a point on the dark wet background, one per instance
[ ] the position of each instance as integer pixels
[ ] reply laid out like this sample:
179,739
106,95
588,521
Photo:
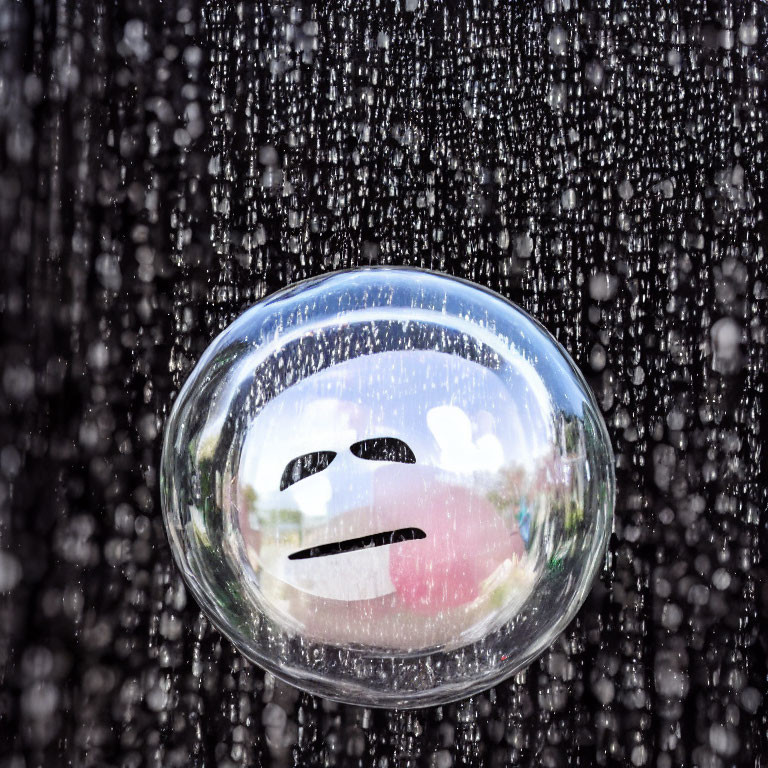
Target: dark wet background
165,164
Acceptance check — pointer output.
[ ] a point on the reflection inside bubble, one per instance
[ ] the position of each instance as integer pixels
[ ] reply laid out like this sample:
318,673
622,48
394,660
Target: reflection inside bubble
388,499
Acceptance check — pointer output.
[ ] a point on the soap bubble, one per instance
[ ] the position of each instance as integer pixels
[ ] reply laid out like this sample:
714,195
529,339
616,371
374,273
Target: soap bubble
387,486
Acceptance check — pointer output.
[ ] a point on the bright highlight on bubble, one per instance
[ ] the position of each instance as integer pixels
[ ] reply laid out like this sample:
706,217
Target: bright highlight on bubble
388,486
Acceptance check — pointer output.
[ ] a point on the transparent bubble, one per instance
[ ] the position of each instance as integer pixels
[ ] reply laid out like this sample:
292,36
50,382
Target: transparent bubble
388,486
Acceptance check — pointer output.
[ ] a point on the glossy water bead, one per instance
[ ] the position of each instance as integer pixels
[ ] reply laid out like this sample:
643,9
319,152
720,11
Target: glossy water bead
388,486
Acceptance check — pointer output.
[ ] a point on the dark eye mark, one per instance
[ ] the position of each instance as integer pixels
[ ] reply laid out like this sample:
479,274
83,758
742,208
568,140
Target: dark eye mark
363,542
304,466
383,449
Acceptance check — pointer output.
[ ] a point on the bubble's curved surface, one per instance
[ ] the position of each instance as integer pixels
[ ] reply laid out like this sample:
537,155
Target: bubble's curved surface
388,486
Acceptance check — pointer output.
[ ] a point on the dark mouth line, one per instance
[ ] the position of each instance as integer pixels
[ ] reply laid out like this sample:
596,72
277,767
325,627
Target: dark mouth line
363,542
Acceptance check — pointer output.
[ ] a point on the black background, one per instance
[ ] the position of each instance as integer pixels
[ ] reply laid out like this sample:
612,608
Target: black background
164,165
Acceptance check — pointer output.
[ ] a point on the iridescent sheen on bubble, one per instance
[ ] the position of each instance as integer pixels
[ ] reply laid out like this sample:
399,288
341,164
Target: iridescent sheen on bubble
388,486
